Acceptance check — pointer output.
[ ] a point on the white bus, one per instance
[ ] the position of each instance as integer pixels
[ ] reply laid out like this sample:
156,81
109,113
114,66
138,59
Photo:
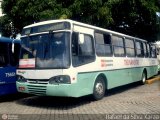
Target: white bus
69,58
158,54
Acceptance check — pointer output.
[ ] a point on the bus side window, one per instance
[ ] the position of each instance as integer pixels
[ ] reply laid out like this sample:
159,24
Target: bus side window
4,58
145,50
149,50
82,51
86,48
103,44
74,43
153,51
130,47
139,49
2,61
14,51
158,51
118,46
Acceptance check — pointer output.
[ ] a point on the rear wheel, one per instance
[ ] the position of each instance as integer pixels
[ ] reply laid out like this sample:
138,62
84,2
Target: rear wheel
143,79
99,88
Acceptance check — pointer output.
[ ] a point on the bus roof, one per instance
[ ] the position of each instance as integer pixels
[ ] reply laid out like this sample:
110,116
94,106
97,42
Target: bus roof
84,25
9,40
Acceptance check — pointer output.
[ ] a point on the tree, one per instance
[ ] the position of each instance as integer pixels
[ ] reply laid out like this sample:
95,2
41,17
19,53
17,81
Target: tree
136,18
133,17
5,27
24,12
95,12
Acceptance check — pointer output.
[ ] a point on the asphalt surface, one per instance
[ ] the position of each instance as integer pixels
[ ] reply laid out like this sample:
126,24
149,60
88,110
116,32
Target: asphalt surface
132,101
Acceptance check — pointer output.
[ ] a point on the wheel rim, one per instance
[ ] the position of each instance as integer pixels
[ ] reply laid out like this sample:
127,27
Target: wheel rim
99,88
144,78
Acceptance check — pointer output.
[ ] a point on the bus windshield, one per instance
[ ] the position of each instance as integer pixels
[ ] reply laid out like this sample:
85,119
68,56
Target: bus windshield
45,51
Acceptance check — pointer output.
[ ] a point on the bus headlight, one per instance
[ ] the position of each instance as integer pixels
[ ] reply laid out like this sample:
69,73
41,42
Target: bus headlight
21,79
61,79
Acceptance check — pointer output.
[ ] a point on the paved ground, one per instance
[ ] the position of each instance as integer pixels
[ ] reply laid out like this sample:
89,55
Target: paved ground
120,103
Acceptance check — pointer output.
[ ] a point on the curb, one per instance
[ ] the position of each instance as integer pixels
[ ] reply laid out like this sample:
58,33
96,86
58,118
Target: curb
150,81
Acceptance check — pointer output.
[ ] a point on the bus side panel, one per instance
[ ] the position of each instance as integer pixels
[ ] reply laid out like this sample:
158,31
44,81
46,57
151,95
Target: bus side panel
85,82
136,74
151,71
115,78
121,77
8,88
7,80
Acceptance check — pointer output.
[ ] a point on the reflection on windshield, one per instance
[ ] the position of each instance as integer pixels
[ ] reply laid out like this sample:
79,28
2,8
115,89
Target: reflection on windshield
50,50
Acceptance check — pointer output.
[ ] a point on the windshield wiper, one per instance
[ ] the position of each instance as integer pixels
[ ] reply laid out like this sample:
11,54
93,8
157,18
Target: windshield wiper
27,49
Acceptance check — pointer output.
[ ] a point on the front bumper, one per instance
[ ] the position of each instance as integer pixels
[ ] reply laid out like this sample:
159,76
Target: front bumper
69,90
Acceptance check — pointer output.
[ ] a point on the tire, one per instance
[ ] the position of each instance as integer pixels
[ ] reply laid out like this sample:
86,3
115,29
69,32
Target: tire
99,88
143,79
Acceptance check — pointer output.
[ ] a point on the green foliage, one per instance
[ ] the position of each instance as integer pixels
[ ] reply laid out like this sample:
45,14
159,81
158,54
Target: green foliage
24,12
133,17
5,28
136,18
94,12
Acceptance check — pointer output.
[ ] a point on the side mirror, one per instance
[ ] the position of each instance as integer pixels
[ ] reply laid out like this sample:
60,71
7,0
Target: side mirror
81,38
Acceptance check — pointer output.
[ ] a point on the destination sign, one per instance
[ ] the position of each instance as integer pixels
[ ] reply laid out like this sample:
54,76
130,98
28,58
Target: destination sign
46,28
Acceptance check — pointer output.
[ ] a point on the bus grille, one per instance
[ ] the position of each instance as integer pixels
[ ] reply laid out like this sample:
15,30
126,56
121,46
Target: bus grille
43,81
37,90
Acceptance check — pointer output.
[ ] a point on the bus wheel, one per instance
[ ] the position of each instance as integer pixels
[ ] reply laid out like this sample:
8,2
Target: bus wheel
99,88
143,79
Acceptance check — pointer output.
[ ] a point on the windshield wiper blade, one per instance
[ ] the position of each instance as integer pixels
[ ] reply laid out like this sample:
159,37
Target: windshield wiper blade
30,51
27,49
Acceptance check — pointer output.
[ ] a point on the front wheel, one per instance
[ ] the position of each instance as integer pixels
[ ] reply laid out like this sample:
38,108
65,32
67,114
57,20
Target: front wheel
99,88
